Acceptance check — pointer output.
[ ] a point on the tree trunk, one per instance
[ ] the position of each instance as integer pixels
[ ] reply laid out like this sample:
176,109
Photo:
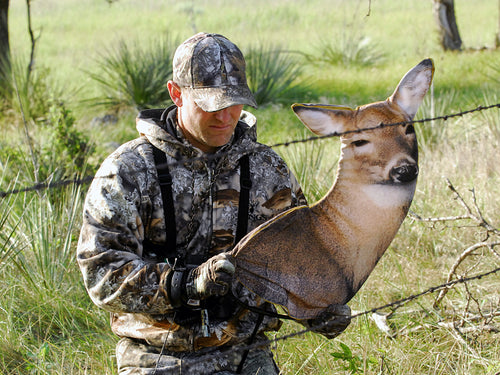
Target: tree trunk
4,45
497,39
444,12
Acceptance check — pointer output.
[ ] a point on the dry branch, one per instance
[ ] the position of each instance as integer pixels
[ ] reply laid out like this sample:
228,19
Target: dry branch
491,234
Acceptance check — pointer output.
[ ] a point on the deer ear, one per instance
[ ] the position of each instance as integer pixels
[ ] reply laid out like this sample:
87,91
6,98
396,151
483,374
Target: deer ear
413,87
323,119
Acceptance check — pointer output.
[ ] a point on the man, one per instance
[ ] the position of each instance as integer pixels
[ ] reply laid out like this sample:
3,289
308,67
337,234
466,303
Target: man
165,208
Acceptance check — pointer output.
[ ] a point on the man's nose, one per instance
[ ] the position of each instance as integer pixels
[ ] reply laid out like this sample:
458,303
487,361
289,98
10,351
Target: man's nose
223,115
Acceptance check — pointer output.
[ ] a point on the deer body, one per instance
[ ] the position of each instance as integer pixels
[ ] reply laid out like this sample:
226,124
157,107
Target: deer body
313,256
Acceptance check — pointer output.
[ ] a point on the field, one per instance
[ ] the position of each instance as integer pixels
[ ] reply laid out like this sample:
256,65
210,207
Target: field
436,313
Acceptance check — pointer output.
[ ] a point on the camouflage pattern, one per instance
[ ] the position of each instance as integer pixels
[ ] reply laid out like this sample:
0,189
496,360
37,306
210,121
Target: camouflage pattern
137,358
124,206
212,88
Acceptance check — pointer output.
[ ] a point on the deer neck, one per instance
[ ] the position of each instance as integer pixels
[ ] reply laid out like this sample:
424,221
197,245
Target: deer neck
362,219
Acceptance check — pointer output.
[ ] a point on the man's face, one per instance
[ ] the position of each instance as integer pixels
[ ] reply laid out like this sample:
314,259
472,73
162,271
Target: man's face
207,130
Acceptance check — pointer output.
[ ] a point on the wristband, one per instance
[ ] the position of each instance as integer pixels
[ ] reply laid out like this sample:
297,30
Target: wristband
176,285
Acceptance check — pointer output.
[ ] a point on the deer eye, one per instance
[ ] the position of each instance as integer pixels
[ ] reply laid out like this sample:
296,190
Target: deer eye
410,129
360,142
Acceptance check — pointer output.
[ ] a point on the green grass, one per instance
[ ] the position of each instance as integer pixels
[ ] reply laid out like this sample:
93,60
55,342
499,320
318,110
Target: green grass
49,324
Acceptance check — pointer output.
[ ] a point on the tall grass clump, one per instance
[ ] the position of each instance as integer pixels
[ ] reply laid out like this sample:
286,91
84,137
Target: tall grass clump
273,74
7,227
313,162
491,118
135,75
431,134
44,246
51,325
348,49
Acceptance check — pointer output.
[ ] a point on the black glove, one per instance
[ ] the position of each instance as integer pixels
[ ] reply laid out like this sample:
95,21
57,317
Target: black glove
212,278
332,321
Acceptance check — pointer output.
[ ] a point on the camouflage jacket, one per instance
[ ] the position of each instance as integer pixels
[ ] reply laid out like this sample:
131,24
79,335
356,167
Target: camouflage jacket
123,207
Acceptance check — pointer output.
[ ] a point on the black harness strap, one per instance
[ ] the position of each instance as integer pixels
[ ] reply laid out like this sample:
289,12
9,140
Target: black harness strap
167,250
251,340
245,186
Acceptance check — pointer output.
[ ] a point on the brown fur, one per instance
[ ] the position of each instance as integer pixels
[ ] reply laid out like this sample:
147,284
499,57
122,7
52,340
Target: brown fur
311,257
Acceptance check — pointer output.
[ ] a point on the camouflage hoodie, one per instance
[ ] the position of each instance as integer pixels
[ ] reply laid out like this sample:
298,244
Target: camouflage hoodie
123,207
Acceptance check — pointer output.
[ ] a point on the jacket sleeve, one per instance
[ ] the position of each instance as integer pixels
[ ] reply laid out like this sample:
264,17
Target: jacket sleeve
109,250
297,191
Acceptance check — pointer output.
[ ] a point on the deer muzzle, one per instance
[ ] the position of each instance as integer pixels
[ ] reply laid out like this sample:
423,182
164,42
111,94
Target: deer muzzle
404,173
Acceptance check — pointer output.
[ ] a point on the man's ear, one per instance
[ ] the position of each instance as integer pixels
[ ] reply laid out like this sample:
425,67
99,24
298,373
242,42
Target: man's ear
175,93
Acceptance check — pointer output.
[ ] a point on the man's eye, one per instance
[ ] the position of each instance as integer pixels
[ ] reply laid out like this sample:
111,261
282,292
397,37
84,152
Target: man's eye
360,142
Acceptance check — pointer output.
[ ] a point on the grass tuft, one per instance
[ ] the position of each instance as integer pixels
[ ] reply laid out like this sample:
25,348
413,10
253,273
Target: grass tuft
135,76
273,74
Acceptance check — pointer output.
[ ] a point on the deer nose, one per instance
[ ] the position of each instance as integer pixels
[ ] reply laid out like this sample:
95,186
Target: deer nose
404,173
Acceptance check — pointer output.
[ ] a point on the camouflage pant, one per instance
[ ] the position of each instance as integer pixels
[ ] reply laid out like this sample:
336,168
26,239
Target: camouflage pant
135,357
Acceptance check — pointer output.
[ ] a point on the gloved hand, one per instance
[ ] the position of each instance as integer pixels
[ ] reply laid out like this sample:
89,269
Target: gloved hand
212,278
332,321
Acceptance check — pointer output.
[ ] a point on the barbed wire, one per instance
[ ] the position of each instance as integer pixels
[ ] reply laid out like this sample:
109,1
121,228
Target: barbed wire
395,304
87,179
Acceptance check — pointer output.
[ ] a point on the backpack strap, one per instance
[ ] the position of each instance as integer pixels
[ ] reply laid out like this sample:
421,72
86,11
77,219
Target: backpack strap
245,186
167,250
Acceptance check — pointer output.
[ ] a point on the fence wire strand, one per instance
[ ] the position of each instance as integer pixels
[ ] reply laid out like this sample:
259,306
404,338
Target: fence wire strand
394,304
87,179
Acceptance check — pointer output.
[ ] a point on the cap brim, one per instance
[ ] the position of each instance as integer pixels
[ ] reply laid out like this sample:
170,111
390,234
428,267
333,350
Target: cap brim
213,99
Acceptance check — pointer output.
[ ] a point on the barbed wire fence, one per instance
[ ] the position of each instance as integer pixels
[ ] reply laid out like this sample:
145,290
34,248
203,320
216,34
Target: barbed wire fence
394,305
473,213
87,179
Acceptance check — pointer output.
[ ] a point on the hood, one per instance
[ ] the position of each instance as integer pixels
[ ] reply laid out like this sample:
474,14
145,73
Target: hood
160,128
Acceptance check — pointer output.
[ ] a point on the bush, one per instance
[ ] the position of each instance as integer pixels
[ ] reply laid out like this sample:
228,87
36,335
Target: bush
135,76
348,50
29,94
272,74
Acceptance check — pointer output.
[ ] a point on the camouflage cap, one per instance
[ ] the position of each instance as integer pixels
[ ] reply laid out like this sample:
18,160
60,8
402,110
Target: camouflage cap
213,69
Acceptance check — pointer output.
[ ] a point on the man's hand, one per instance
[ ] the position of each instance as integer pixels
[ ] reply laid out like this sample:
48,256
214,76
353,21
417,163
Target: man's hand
212,278
332,321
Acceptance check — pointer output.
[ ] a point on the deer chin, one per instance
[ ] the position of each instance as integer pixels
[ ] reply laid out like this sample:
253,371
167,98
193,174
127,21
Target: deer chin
390,194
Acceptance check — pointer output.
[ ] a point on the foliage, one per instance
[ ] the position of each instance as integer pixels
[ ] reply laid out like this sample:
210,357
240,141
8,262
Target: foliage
314,163
66,144
431,134
349,361
45,253
59,151
8,228
135,76
30,94
272,74
348,50
491,118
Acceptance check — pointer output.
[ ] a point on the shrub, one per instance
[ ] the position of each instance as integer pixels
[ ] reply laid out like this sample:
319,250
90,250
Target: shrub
135,76
349,49
67,145
29,94
272,74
